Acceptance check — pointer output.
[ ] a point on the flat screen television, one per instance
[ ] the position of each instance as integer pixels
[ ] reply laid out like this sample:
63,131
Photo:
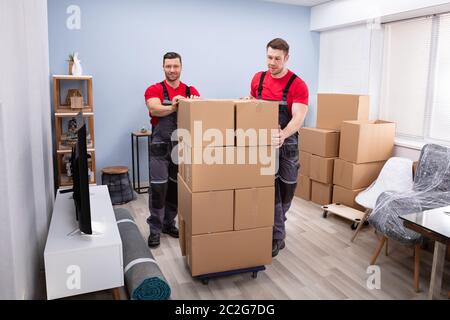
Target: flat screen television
80,174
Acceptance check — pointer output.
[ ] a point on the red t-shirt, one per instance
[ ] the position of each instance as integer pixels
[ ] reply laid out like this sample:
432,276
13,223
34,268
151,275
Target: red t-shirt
273,89
156,91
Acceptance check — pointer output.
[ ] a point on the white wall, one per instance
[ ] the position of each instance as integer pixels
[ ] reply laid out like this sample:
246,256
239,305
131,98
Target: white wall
351,62
351,51
340,13
26,188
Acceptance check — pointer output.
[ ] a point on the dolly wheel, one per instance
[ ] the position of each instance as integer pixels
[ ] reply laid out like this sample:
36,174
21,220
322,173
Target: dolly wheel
354,226
254,274
325,214
205,281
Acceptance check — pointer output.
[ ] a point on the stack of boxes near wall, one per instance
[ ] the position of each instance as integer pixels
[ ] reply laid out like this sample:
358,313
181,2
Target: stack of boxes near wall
225,210
344,130
319,147
365,146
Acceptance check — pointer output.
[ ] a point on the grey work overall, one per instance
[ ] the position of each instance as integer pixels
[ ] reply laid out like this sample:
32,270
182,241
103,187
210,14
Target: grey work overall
163,191
286,178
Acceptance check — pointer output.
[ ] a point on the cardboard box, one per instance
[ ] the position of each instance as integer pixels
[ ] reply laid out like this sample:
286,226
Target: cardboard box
303,189
255,121
321,169
182,233
304,163
321,142
367,141
332,109
217,115
227,251
228,168
321,193
347,197
205,212
356,176
254,208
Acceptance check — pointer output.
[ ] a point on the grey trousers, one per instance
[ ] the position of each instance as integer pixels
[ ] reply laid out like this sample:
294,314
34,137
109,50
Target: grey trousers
163,191
285,185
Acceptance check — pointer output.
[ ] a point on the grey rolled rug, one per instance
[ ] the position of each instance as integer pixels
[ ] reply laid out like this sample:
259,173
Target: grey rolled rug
143,278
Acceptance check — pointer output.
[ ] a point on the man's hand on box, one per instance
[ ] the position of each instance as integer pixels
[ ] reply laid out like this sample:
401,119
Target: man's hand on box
278,138
177,99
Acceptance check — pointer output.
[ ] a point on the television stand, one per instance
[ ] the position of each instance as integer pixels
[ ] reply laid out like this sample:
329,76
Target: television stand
76,263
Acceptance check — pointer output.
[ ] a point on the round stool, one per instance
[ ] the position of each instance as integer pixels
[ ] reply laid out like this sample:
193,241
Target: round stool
119,184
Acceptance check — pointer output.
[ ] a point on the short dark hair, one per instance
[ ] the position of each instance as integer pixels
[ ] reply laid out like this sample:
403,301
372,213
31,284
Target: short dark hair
171,55
279,44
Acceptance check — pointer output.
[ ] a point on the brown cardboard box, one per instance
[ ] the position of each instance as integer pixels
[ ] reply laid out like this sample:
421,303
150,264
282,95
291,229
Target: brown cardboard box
356,176
367,141
205,212
332,109
304,163
254,208
213,114
243,168
182,233
261,117
303,188
321,142
321,193
347,197
321,169
226,251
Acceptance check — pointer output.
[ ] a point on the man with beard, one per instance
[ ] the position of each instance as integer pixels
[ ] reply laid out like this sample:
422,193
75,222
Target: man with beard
162,102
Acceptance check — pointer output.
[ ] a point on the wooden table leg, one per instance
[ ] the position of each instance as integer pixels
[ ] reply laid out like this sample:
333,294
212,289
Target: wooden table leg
116,293
437,270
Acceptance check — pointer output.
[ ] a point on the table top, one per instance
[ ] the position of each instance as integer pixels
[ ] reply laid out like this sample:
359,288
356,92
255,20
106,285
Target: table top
436,220
142,134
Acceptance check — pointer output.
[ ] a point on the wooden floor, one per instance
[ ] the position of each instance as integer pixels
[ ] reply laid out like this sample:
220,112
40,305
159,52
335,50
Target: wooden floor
319,262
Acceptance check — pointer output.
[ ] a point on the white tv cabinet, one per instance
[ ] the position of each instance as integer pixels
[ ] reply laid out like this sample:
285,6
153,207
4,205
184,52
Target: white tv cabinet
76,263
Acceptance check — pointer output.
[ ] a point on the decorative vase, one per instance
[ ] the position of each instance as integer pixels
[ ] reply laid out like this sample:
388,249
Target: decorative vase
77,70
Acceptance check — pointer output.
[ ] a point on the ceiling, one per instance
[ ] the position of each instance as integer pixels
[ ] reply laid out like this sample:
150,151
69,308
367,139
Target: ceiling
306,3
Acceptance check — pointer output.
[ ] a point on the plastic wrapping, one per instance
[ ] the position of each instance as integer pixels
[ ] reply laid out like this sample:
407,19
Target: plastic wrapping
431,189
396,175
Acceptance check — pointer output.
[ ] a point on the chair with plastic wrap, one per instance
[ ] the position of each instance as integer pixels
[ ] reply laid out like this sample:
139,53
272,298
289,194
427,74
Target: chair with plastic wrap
431,189
396,175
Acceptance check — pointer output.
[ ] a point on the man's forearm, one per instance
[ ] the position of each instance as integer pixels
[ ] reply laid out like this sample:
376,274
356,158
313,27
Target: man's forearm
295,124
158,110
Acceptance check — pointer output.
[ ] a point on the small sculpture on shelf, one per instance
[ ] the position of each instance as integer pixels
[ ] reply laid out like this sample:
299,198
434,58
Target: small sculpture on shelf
74,99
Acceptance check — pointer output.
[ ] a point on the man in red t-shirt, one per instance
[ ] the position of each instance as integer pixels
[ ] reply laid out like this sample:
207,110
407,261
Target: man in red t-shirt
162,102
281,84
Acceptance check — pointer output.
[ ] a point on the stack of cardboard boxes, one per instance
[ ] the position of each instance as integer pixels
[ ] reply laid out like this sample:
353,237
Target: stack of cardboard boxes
225,203
319,147
344,131
365,146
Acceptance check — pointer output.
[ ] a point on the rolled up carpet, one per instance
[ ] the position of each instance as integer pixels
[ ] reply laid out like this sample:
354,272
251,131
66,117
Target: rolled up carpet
143,278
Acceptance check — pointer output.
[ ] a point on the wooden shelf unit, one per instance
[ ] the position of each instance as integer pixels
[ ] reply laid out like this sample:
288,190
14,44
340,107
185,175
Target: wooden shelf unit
63,113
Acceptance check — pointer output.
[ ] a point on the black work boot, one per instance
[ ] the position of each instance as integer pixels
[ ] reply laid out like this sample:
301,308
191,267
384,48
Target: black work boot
277,245
153,240
171,231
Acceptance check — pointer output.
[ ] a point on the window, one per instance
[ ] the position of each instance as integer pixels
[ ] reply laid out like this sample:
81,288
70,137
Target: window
416,78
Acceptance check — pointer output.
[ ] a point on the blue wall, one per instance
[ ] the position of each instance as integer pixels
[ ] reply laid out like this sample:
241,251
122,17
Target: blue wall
121,43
